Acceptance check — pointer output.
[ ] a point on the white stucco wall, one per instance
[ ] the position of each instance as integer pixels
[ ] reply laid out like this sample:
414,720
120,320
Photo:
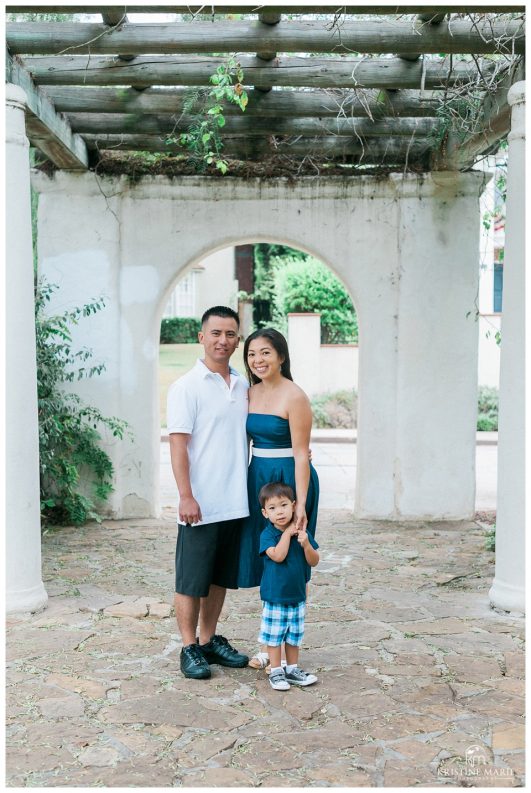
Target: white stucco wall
393,241
216,284
489,350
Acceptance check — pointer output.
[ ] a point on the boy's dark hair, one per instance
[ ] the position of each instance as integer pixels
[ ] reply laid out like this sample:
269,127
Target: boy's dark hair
220,311
273,489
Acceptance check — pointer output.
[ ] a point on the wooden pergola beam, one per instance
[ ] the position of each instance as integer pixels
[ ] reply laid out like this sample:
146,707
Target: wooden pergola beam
48,130
318,103
251,127
206,9
375,151
295,72
429,20
408,39
494,124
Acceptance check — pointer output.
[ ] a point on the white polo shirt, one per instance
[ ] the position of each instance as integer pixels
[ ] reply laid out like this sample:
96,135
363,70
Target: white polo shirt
202,405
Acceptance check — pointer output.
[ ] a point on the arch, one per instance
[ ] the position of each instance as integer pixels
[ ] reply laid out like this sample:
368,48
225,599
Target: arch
381,236
213,246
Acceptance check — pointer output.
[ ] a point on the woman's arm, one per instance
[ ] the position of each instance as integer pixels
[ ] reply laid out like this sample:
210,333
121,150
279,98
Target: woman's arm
300,426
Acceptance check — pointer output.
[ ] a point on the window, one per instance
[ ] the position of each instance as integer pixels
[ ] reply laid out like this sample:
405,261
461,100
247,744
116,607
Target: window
498,287
182,299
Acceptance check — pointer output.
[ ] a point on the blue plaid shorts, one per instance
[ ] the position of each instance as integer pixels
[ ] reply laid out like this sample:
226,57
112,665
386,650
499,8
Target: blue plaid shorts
282,623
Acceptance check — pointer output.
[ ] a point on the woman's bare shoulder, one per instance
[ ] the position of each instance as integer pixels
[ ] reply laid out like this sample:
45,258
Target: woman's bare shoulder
296,396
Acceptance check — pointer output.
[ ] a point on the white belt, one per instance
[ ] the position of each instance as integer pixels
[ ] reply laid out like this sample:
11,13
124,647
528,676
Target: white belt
272,452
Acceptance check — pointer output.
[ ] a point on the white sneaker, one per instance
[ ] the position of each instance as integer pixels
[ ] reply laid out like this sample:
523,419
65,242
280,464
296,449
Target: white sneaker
283,664
278,681
298,677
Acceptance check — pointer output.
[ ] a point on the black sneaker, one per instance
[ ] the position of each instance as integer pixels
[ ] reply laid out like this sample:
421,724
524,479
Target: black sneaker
193,663
219,651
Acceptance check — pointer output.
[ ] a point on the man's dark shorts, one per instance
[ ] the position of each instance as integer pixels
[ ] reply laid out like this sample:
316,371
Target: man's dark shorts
205,555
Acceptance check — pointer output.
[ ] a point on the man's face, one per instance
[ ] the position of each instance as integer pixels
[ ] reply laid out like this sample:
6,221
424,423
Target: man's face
220,337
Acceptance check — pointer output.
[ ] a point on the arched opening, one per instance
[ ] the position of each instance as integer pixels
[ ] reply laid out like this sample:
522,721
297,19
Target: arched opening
271,283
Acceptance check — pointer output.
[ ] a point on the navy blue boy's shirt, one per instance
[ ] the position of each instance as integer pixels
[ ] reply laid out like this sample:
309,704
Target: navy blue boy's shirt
284,582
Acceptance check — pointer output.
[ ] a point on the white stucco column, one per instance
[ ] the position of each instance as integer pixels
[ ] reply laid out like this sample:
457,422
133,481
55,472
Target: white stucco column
25,590
507,591
304,339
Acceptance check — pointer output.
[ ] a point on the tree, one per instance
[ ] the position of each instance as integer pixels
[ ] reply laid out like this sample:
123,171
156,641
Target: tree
307,285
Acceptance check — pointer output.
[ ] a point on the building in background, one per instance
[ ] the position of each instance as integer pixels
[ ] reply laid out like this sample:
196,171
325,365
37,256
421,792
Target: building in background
490,297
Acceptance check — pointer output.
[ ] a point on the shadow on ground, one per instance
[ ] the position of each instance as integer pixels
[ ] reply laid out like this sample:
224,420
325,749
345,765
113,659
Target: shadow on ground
420,682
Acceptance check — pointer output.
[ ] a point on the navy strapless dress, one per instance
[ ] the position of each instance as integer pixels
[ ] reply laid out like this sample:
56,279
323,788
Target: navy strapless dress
268,432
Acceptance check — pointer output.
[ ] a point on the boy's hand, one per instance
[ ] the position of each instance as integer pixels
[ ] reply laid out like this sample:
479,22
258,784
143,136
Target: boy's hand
302,537
293,530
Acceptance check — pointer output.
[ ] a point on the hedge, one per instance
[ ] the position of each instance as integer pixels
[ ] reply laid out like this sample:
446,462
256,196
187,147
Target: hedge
179,330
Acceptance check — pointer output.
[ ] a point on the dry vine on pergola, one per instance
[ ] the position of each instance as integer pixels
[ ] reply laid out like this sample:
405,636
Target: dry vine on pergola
352,88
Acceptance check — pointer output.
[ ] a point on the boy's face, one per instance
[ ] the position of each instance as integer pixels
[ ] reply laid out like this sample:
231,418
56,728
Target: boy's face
279,510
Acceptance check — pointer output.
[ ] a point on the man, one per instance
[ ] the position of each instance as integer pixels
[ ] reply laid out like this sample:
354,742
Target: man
207,411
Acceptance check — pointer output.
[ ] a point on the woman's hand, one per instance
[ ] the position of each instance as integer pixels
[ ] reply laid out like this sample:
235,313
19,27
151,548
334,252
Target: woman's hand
301,521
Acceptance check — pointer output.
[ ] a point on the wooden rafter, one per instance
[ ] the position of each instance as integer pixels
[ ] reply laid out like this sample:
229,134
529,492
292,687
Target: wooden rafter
207,9
317,103
494,123
46,129
374,36
347,82
389,150
251,127
336,72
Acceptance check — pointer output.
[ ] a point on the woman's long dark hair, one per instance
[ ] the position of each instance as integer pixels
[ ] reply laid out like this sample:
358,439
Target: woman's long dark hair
278,342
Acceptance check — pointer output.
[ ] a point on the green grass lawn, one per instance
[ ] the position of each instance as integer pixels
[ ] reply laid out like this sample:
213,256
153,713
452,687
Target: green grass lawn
177,359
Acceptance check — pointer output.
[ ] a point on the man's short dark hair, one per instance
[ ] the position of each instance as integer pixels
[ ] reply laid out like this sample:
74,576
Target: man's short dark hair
275,489
220,311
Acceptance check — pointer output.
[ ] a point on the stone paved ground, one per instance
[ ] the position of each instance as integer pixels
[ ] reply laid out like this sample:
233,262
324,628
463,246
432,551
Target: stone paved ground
415,669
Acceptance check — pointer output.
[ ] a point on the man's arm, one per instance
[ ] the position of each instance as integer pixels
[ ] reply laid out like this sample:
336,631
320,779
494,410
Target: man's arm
189,509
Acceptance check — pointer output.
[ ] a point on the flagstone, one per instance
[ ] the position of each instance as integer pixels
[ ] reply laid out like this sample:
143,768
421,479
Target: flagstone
515,663
61,707
218,777
401,773
339,775
409,672
166,709
469,668
421,753
508,737
258,756
330,736
90,688
515,761
401,725
204,747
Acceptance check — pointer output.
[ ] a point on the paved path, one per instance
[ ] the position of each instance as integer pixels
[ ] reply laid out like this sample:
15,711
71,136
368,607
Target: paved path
336,465
420,682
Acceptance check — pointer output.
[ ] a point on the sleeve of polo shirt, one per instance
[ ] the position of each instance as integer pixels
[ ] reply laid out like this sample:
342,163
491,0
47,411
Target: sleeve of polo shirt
267,540
181,409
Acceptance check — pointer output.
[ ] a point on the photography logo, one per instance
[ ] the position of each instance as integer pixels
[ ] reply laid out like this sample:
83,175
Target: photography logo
477,763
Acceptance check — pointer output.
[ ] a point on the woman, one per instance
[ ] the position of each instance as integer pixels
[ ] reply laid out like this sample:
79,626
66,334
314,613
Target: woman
279,424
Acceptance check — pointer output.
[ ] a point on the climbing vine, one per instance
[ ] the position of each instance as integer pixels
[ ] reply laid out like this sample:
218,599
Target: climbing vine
203,138
75,472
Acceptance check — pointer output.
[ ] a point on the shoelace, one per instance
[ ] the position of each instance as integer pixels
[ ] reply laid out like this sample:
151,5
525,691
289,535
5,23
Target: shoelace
196,654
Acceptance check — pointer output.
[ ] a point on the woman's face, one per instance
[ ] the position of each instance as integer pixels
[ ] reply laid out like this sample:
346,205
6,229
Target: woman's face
262,358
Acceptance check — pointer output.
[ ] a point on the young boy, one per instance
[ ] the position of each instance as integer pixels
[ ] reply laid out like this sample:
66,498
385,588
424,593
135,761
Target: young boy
288,556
